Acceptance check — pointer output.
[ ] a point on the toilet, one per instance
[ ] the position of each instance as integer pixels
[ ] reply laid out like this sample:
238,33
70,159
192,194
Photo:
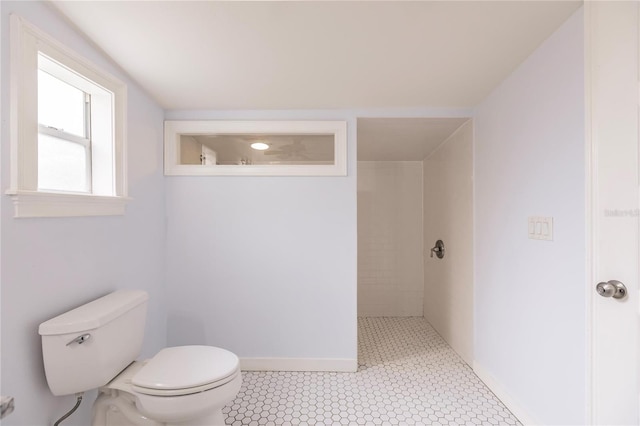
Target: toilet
96,346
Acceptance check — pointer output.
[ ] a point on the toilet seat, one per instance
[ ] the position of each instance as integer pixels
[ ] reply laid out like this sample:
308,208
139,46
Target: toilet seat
185,391
184,370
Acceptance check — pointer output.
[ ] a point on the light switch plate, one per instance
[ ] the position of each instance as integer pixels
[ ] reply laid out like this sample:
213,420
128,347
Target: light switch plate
540,228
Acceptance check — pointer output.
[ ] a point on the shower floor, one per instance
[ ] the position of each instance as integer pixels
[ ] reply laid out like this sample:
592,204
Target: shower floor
407,375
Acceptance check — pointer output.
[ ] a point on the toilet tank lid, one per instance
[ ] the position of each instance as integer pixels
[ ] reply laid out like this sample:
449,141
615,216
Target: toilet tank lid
94,314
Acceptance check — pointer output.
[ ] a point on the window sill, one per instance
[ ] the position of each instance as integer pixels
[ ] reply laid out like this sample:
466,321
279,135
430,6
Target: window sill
51,204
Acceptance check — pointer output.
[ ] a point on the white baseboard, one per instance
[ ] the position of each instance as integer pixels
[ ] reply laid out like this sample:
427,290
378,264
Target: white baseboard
299,364
495,386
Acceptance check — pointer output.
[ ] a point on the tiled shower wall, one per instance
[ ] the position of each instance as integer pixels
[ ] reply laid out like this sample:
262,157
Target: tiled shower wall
390,265
448,282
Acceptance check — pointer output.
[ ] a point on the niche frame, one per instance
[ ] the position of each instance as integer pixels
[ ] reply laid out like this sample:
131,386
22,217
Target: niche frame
174,129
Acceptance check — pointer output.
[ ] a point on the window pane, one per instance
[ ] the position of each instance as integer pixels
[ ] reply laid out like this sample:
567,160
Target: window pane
60,105
62,165
248,149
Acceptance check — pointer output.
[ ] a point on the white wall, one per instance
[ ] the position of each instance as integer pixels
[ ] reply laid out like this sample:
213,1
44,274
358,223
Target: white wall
264,266
390,271
51,265
448,216
267,267
530,324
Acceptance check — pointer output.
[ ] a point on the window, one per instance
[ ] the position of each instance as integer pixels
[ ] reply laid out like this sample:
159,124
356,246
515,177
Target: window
255,148
64,131
67,130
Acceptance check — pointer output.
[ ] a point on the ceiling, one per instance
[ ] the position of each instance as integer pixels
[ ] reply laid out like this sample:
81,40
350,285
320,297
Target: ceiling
203,55
317,54
403,139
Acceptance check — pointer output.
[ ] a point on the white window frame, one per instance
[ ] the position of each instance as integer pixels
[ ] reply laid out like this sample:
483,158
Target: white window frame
27,42
174,129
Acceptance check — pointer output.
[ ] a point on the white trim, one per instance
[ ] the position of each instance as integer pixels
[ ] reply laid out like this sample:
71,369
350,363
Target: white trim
22,96
174,129
53,204
499,391
27,41
343,365
602,29
590,211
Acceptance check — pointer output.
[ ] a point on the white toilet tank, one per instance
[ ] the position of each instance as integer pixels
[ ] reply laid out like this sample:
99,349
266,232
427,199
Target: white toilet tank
88,346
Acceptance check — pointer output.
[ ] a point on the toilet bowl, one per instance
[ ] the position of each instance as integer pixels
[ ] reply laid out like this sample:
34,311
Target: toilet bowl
184,385
99,341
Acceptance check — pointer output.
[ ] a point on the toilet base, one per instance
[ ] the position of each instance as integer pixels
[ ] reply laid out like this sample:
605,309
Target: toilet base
119,409
118,405
114,408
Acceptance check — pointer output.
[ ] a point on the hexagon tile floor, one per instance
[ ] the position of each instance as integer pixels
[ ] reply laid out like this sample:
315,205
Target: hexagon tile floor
407,375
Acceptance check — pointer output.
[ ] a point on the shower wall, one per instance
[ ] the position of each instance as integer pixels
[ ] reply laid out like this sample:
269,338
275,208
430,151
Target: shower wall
448,282
390,242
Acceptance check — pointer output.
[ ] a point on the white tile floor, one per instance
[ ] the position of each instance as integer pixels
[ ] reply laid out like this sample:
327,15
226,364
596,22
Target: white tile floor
406,375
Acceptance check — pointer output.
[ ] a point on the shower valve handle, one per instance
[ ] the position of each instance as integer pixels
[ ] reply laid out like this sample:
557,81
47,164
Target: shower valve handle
438,249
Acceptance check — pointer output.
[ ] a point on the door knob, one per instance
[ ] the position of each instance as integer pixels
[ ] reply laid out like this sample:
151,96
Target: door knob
612,288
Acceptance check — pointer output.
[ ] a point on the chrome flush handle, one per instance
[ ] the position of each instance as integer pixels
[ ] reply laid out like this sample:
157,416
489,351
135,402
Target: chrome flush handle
80,339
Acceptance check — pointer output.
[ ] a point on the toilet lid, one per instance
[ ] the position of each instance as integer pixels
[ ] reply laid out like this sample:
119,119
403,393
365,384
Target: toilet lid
184,367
